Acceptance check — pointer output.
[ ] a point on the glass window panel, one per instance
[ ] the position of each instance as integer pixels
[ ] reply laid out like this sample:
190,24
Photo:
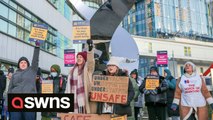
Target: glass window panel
20,33
20,9
3,10
27,24
20,20
28,14
7,1
12,30
3,26
26,36
12,15
13,4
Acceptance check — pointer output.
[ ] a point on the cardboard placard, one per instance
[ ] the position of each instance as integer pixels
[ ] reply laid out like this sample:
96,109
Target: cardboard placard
47,86
152,82
110,89
81,31
38,32
74,116
120,118
162,58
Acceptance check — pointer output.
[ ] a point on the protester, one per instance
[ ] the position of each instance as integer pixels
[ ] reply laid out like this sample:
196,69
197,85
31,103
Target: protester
9,76
118,109
137,102
191,95
2,88
23,81
80,80
155,100
174,115
59,86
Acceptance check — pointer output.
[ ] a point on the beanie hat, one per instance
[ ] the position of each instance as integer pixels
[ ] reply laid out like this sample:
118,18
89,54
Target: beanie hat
154,68
193,66
23,59
83,54
11,70
114,61
57,68
134,72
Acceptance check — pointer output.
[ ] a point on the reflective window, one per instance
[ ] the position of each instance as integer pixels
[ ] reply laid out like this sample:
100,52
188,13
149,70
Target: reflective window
3,26
12,15
20,20
20,33
12,30
27,24
3,10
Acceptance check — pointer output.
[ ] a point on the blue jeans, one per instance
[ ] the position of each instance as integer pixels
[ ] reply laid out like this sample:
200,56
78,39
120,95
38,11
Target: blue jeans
22,116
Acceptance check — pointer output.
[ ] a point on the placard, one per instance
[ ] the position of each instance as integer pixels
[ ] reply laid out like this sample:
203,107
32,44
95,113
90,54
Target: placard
152,82
38,32
162,59
73,116
47,86
110,89
81,31
69,57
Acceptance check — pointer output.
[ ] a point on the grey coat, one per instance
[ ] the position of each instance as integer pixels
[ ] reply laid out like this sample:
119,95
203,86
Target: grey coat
23,81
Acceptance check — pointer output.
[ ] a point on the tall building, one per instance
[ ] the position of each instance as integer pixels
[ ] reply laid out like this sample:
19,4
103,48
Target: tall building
16,19
169,18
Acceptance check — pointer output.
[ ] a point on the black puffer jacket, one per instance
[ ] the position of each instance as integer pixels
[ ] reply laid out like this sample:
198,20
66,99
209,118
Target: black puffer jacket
2,83
120,109
156,99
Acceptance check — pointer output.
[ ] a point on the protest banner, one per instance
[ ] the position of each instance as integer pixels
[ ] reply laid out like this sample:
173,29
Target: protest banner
162,59
110,89
81,31
38,32
69,57
75,116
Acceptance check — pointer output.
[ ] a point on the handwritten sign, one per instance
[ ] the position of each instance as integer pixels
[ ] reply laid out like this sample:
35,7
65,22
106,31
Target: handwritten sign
120,118
110,89
73,116
47,86
38,32
152,82
69,57
81,31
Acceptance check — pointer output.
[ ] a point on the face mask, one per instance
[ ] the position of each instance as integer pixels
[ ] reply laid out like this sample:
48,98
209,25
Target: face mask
54,74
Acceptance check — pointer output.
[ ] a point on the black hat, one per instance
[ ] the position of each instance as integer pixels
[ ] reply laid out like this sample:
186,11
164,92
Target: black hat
11,70
154,68
135,71
23,59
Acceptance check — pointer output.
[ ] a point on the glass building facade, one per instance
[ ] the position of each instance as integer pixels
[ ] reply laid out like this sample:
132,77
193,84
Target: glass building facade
160,18
16,21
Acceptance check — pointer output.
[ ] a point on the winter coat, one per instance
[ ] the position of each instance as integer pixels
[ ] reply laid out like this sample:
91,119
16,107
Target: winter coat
139,100
91,107
159,99
120,109
23,81
2,84
171,81
57,88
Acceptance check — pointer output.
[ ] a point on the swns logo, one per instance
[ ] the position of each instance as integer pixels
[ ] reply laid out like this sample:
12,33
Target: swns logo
41,102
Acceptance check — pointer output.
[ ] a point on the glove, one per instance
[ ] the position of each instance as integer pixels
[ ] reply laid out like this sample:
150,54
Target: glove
158,89
37,43
90,44
154,92
211,105
146,92
175,106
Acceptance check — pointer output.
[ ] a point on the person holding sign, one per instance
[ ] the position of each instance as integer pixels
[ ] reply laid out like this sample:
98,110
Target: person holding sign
191,95
154,88
80,80
23,81
59,86
118,109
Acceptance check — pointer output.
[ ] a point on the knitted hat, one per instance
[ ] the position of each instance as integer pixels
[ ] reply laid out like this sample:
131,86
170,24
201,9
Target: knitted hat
23,59
154,68
114,61
39,72
57,68
83,54
192,64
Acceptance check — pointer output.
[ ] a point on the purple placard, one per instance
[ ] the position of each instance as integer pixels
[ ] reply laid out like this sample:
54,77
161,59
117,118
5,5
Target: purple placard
162,58
69,57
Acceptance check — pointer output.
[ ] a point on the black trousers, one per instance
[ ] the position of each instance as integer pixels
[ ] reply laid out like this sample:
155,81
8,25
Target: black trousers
137,111
157,112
